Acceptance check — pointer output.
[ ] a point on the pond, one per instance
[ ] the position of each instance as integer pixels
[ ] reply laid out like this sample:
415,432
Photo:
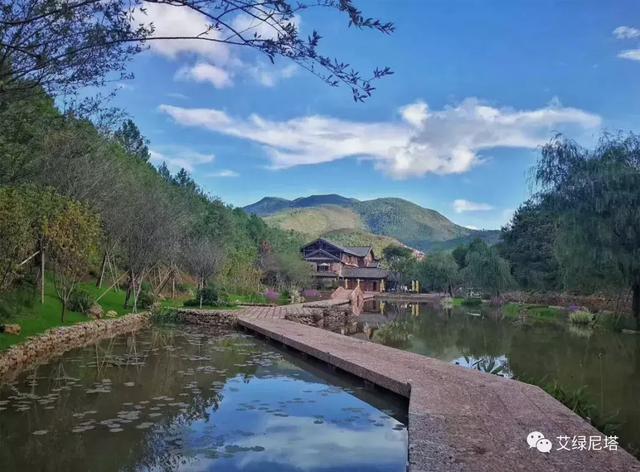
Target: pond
172,398
599,365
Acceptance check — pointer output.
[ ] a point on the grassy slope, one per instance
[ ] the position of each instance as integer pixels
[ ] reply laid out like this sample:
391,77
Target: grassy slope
341,225
38,317
408,222
317,221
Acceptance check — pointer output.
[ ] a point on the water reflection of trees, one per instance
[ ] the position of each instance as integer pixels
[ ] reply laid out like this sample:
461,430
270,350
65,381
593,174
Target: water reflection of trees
606,363
162,362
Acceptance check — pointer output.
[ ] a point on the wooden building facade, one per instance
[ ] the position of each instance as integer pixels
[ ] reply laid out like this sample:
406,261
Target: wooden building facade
347,266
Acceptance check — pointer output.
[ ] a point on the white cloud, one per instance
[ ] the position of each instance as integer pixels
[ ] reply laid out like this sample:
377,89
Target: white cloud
224,173
298,440
631,54
415,114
179,96
462,206
475,228
177,158
626,32
203,72
178,21
270,75
438,141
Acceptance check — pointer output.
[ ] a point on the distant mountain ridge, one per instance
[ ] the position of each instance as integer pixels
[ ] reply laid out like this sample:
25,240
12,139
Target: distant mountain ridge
381,220
272,205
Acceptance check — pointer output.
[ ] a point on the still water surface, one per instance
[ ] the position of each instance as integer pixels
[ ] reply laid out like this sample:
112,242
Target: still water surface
170,398
604,363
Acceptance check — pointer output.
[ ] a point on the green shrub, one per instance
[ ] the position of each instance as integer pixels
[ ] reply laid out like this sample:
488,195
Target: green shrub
394,334
209,297
580,317
472,301
614,322
80,301
146,298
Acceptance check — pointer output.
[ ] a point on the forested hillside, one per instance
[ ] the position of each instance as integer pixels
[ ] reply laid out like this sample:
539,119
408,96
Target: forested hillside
89,201
378,222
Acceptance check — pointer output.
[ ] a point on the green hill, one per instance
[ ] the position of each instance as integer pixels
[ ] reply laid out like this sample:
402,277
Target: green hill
316,221
378,222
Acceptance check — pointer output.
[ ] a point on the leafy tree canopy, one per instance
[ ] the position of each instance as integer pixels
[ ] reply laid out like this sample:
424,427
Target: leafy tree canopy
64,46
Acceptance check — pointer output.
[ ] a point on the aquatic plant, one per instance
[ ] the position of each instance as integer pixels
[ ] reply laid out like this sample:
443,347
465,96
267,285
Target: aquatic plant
295,296
614,321
489,365
578,401
394,334
446,302
472,301
580,317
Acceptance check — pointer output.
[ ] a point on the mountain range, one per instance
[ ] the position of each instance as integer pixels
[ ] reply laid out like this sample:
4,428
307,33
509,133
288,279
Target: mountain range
379,222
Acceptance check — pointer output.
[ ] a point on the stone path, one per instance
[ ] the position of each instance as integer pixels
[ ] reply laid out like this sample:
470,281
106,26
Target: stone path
459,419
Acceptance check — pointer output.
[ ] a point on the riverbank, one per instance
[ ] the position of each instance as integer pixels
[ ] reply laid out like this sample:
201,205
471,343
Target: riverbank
36,318
56,341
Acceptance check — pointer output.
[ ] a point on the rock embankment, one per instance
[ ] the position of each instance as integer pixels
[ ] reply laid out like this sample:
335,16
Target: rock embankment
56,341
204,317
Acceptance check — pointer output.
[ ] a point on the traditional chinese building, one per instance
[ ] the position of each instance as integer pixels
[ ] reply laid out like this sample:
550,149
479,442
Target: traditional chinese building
346,266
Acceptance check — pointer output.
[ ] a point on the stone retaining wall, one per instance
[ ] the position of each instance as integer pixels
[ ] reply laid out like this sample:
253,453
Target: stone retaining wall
336,319
593,302
56,341
209,318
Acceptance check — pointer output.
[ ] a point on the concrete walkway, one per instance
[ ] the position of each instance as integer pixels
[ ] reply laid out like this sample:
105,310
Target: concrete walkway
459,419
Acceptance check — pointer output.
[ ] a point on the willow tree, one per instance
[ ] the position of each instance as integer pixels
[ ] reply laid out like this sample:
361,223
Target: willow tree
439,272
487,270
596,195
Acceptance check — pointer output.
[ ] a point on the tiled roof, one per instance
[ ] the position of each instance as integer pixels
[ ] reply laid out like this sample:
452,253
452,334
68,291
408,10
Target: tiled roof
364,273
359,251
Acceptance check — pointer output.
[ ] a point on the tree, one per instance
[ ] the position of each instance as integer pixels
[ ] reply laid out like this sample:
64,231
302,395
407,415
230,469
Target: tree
17,241
460,255
203,257
528,243
164,172
488,271
132,141
152,228
596,194
64,46
73,235
284,269
401,262
439,272
183,179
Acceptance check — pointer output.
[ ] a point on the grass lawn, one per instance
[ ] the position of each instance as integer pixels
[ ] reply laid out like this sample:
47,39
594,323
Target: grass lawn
36,318
539,312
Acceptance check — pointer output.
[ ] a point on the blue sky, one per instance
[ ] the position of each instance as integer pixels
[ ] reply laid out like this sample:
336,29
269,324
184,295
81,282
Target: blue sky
477,87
